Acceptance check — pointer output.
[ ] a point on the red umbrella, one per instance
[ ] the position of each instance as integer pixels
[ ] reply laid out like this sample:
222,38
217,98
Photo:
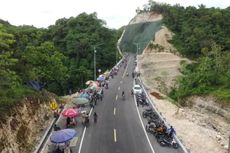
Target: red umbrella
70,112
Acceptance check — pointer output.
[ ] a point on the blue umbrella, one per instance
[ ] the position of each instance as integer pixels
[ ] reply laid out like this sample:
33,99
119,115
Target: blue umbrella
101,78
62,136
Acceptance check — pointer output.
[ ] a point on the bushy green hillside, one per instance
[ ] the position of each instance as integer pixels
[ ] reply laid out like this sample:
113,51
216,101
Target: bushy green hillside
60,57
201,34
138,36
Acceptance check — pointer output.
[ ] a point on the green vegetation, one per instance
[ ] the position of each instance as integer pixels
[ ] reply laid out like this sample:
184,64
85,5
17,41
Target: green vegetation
201,34
138,35
61,56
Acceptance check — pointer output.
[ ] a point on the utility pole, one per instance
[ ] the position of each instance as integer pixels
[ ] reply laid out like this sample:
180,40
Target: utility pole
94,59
94,62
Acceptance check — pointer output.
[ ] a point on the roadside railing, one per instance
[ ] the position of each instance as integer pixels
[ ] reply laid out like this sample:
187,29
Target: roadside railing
46,135
163,119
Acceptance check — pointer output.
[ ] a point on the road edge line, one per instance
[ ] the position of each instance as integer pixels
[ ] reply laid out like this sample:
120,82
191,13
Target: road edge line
83,135
151,147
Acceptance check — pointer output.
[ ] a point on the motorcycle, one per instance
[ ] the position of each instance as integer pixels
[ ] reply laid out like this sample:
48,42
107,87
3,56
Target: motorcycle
123,96
165,141
147,112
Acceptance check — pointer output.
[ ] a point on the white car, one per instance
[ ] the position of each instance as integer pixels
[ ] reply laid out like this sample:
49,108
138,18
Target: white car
137,89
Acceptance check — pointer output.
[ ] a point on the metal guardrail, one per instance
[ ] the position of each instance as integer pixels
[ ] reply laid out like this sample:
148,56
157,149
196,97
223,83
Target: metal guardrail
47,134
163,119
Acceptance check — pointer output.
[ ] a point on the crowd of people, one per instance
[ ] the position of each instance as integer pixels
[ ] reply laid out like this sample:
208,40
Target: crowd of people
94,96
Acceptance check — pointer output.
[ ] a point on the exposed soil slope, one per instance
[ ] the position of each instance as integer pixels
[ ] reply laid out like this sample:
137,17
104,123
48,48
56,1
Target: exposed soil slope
21,131
146,17
160,66
201,126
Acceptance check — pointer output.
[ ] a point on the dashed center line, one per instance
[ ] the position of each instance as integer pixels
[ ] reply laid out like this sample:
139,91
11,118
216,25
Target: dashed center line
114,111
119,88
116,97
115,135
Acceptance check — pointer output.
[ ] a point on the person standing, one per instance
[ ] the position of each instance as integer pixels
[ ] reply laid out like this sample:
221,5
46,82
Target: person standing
171,131
95,100
95,117
68,120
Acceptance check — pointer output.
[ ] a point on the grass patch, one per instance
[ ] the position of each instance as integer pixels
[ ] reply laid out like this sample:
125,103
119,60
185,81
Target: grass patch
222,94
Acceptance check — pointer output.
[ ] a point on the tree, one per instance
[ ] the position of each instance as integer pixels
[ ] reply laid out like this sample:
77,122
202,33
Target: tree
46,65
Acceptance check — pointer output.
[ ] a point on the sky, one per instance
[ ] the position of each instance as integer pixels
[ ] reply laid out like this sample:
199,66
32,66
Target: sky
116,13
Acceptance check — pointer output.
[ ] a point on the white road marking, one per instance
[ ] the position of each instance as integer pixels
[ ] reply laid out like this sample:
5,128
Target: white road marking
119,88
121,82
114,111
143,125
83,135
116,97
115,135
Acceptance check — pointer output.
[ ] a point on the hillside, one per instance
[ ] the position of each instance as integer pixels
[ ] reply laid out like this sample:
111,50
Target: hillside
58,60
159,71
22,127
198,120
158,64
139,33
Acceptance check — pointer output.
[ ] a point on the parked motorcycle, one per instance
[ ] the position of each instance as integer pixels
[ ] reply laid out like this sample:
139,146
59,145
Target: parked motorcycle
164,140
149,114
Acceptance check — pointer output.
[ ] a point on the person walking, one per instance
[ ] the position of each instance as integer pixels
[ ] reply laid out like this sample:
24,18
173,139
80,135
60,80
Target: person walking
95,117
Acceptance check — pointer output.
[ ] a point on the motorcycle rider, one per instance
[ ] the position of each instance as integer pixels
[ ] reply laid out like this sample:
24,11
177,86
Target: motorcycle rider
133,74
123,94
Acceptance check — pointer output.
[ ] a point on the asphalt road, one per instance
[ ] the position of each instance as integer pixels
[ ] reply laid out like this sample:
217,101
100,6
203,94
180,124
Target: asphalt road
119,129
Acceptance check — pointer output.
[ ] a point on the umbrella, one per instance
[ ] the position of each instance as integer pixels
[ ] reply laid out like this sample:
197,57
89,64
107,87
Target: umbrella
62,136
89,82
70,112
101,78
106,74
80,101
84,95
94,88
95,83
